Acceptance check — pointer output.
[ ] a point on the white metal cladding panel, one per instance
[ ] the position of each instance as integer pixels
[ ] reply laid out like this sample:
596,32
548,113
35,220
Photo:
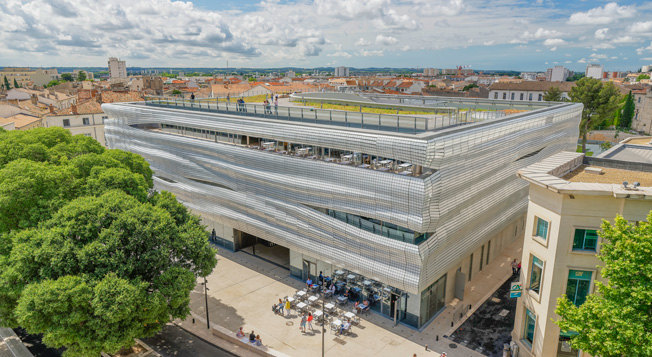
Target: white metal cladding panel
359,191
473,195
383,145
305,230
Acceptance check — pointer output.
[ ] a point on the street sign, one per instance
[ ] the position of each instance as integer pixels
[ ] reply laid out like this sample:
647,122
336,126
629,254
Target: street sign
515,289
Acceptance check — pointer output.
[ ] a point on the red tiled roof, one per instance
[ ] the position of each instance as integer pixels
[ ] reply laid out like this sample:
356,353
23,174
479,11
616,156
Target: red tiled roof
90,106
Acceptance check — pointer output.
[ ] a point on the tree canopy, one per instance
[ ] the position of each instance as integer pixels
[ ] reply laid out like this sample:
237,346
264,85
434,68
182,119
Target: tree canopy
81,76
600,101
553,94
628,111
66,77
642,76
469,86
90,255
617,320
7,85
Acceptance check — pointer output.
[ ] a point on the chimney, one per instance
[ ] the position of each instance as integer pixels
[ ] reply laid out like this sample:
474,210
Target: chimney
73,109
51,109
34,99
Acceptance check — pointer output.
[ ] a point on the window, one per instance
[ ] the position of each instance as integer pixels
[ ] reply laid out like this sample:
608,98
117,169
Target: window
585,239
639,99
535,274
86,121
471,267
540,228
579,282
530,323
495,95
540,97
505,95
530,97
481,257
88,134
513,94
66,122
488,250
522,96
105,117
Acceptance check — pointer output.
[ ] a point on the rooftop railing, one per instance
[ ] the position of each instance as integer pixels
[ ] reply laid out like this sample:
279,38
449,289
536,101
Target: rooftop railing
384,122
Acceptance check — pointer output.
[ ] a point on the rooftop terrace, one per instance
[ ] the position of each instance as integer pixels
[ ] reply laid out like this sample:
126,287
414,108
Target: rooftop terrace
608,175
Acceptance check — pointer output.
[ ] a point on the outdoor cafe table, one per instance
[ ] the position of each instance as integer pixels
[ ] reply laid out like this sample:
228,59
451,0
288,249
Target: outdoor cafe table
366,282
329,306
312,299
349,315
339,272
317,313
301,293
350,276
301,305
337,323
364,166
405,165
342,299
291,299
385,162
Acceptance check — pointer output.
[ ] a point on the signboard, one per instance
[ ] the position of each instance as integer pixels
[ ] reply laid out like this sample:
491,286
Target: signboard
515,289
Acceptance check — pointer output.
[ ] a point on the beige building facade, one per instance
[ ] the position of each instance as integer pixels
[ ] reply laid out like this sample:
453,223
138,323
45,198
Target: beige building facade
83,119
642,120
569,197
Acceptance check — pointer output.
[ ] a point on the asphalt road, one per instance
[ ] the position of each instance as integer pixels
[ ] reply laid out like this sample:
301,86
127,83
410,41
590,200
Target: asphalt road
173,341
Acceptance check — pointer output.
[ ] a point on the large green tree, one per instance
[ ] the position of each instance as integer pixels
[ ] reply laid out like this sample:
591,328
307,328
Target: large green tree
16,83
628,111
90,256
81,76
553,94
617,320
66,77
7,85
600,101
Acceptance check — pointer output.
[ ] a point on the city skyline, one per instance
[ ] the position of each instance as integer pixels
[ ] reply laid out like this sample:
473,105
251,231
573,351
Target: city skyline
505,34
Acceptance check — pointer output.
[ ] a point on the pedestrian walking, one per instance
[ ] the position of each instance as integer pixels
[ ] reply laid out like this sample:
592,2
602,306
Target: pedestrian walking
276,106
281,305
228,98
302,327
287,306
514,267
310,321
192,96
518,269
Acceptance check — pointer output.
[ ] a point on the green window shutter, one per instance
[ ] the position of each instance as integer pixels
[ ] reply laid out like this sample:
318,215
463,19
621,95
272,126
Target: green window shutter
591,240
578,240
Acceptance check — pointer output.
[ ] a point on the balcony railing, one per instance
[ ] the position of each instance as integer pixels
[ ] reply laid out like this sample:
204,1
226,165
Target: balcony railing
372,121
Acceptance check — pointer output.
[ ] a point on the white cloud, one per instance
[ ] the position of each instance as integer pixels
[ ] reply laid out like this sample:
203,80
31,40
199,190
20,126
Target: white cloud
405,48
640,27
553,42
540,33
386,40
568,61
646,59
607,14
372,53
624,40
583,60
440,7
601,34
378,10
597,56
641,50
602,46
362,42
340,54
553,49
489,43
517,41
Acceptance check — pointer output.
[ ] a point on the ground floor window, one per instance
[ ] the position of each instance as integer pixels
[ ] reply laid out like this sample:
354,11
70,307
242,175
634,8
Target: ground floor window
530,323
564,348
579,282
433,299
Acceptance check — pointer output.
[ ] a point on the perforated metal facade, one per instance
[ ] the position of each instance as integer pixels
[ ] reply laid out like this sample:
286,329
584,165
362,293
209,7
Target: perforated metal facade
472,193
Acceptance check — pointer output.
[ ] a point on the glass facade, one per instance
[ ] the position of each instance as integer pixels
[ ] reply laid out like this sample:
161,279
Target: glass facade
579,283
530,323
541,228
585,239
433,299
535,274
385,229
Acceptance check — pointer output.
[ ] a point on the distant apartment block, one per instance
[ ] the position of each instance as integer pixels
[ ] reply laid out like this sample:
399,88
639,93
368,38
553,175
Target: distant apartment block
430,72
20,74
558,74
532,91
569,196
341,71
290,74
89,75
593,71
529,76
642,121
117,68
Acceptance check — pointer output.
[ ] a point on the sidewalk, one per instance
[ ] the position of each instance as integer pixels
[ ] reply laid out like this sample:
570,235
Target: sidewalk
243,288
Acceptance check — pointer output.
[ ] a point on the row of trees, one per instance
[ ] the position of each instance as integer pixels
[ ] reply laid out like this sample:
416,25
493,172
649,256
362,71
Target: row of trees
5,85
90,256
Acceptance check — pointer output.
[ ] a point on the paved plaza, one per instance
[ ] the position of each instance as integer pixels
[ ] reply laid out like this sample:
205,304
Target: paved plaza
243,288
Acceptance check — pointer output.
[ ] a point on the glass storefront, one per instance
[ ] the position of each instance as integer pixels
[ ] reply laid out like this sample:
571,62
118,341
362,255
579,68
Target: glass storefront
433,299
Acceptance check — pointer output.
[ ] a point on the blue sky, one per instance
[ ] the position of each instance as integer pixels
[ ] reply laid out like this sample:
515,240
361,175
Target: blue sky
502,34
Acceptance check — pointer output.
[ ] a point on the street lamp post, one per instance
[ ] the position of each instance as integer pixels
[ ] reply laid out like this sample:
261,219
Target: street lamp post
208,323
323,322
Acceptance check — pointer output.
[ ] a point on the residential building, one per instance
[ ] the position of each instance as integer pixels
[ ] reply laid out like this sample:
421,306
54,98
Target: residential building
41,77
117,68
430,72
22,75
21,122
642,120
531,91
290,74
558,74
593,71
569,196
406,211
529,76
341,71
89,75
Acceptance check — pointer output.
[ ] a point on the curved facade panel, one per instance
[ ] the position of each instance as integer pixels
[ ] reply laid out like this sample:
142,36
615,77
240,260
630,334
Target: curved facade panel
467,193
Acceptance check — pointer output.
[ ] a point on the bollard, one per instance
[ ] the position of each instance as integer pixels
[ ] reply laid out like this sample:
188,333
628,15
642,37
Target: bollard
451,323
437,338
193,320
426,347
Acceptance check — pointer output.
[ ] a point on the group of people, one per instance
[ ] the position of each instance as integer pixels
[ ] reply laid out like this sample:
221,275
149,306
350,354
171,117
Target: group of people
268,106
516,267
306,319
282,306
253,338
241,105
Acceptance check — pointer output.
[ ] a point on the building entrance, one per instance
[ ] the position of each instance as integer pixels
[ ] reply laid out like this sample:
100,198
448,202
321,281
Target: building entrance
262,248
